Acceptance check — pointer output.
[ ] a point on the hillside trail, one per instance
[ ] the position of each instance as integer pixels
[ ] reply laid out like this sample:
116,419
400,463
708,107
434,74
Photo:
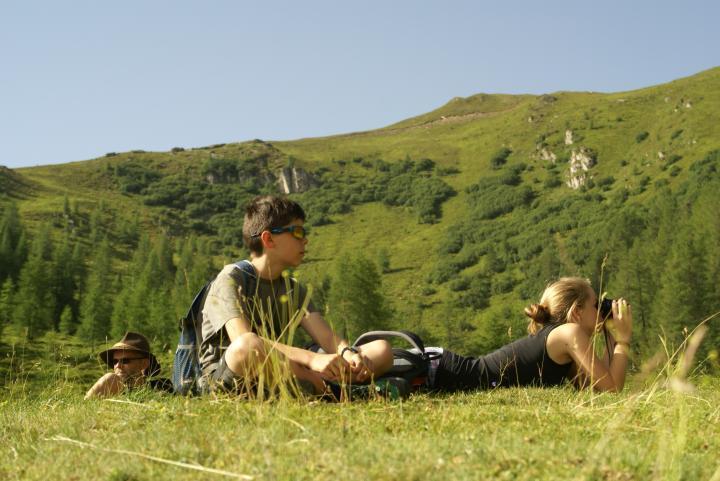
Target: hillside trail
443,120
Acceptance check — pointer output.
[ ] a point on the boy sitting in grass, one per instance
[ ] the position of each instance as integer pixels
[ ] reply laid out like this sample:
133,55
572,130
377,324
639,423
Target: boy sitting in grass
248,311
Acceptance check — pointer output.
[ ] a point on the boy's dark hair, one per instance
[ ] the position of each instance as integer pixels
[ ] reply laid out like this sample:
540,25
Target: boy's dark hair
267,212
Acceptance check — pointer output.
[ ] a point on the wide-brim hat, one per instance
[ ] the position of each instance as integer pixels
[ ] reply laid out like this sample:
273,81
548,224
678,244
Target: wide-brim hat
132,341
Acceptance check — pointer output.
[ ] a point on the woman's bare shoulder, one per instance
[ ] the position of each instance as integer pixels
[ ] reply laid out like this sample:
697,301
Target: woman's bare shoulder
567,332
562,339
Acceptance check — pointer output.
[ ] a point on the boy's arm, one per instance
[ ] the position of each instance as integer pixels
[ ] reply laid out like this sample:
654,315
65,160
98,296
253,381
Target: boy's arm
359,363
330,365
322,333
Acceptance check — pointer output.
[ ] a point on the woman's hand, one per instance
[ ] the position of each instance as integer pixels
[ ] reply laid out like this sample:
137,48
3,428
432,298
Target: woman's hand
329,366
621,324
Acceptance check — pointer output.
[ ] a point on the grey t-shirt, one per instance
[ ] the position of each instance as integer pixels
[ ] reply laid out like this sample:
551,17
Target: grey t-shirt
269,307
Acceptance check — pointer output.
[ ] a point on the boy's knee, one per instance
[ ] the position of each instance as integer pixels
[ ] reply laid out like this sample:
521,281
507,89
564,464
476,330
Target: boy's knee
244,350
381,354
386,352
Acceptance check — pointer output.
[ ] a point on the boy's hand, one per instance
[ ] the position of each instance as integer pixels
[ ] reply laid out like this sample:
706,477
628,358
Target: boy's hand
329,366
360,366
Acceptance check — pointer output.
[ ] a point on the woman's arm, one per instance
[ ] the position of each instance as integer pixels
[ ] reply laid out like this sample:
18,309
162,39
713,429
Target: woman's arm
571,340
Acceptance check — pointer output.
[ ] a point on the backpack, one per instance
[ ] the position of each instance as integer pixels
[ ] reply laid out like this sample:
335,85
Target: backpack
187,374
410,364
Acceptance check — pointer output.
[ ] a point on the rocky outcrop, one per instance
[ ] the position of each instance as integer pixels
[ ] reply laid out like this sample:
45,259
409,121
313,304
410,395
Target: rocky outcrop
545,154
294,179
580,163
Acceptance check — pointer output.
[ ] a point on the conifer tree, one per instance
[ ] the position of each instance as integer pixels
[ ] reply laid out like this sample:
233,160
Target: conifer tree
6,302
634,279
80,276
679,304
145,301
34,301
96,304
193,270
12,243
181,285
496,326
96,234
63,278
124,306
356,302
66,207
67,323
706,225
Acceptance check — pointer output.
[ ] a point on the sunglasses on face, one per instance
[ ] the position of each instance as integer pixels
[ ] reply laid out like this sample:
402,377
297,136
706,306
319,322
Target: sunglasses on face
126,360
297,231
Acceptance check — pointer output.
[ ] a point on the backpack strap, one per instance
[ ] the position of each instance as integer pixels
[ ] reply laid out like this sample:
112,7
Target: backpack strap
249,274
193,312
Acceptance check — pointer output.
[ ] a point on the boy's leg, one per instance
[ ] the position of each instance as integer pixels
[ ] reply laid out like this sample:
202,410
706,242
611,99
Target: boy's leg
379,356
238,367
243,359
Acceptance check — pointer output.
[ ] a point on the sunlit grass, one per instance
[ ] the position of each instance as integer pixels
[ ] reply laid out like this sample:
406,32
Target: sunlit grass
649,431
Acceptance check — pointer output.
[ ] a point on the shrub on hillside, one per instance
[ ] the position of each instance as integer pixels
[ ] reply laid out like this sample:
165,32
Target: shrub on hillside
477,296
552,181
500,157
676,134
641,136
491,198
459,284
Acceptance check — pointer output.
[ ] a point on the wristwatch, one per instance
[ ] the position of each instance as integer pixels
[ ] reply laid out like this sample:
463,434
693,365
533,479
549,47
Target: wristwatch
352,349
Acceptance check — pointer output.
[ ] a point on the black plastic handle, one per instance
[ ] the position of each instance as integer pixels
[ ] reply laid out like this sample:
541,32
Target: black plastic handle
410,337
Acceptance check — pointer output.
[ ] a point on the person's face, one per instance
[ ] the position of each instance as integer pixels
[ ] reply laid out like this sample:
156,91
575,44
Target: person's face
289,246
587,316
129,364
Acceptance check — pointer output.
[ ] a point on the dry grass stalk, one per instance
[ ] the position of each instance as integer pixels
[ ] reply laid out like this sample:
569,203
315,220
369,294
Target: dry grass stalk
196,467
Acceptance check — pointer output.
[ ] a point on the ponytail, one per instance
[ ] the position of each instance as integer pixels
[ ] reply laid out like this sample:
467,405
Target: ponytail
539,316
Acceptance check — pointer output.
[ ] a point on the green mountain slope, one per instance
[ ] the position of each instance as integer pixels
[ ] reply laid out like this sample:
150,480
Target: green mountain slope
470,202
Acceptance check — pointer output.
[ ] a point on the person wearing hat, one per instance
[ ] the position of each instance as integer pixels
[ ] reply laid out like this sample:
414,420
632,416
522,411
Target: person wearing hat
133,366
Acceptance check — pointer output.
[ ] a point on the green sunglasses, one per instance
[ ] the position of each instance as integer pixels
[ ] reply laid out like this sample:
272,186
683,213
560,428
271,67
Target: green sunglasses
297,231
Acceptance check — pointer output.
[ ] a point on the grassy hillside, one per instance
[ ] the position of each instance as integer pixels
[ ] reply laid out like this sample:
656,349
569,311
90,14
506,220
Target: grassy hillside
491,206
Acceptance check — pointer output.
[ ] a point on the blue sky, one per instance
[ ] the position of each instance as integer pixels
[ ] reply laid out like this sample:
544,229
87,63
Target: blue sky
82,78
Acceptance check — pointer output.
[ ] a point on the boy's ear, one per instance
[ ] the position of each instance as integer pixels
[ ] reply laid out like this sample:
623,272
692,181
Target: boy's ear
267,240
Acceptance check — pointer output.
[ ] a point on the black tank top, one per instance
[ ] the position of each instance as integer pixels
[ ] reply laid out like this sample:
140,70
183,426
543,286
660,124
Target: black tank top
524,362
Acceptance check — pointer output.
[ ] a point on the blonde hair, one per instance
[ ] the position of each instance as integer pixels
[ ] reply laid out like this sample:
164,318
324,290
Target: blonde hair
558,302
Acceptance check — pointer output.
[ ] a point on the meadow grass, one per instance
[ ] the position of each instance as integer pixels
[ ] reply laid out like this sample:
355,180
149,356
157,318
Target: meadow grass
47,431
504,434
